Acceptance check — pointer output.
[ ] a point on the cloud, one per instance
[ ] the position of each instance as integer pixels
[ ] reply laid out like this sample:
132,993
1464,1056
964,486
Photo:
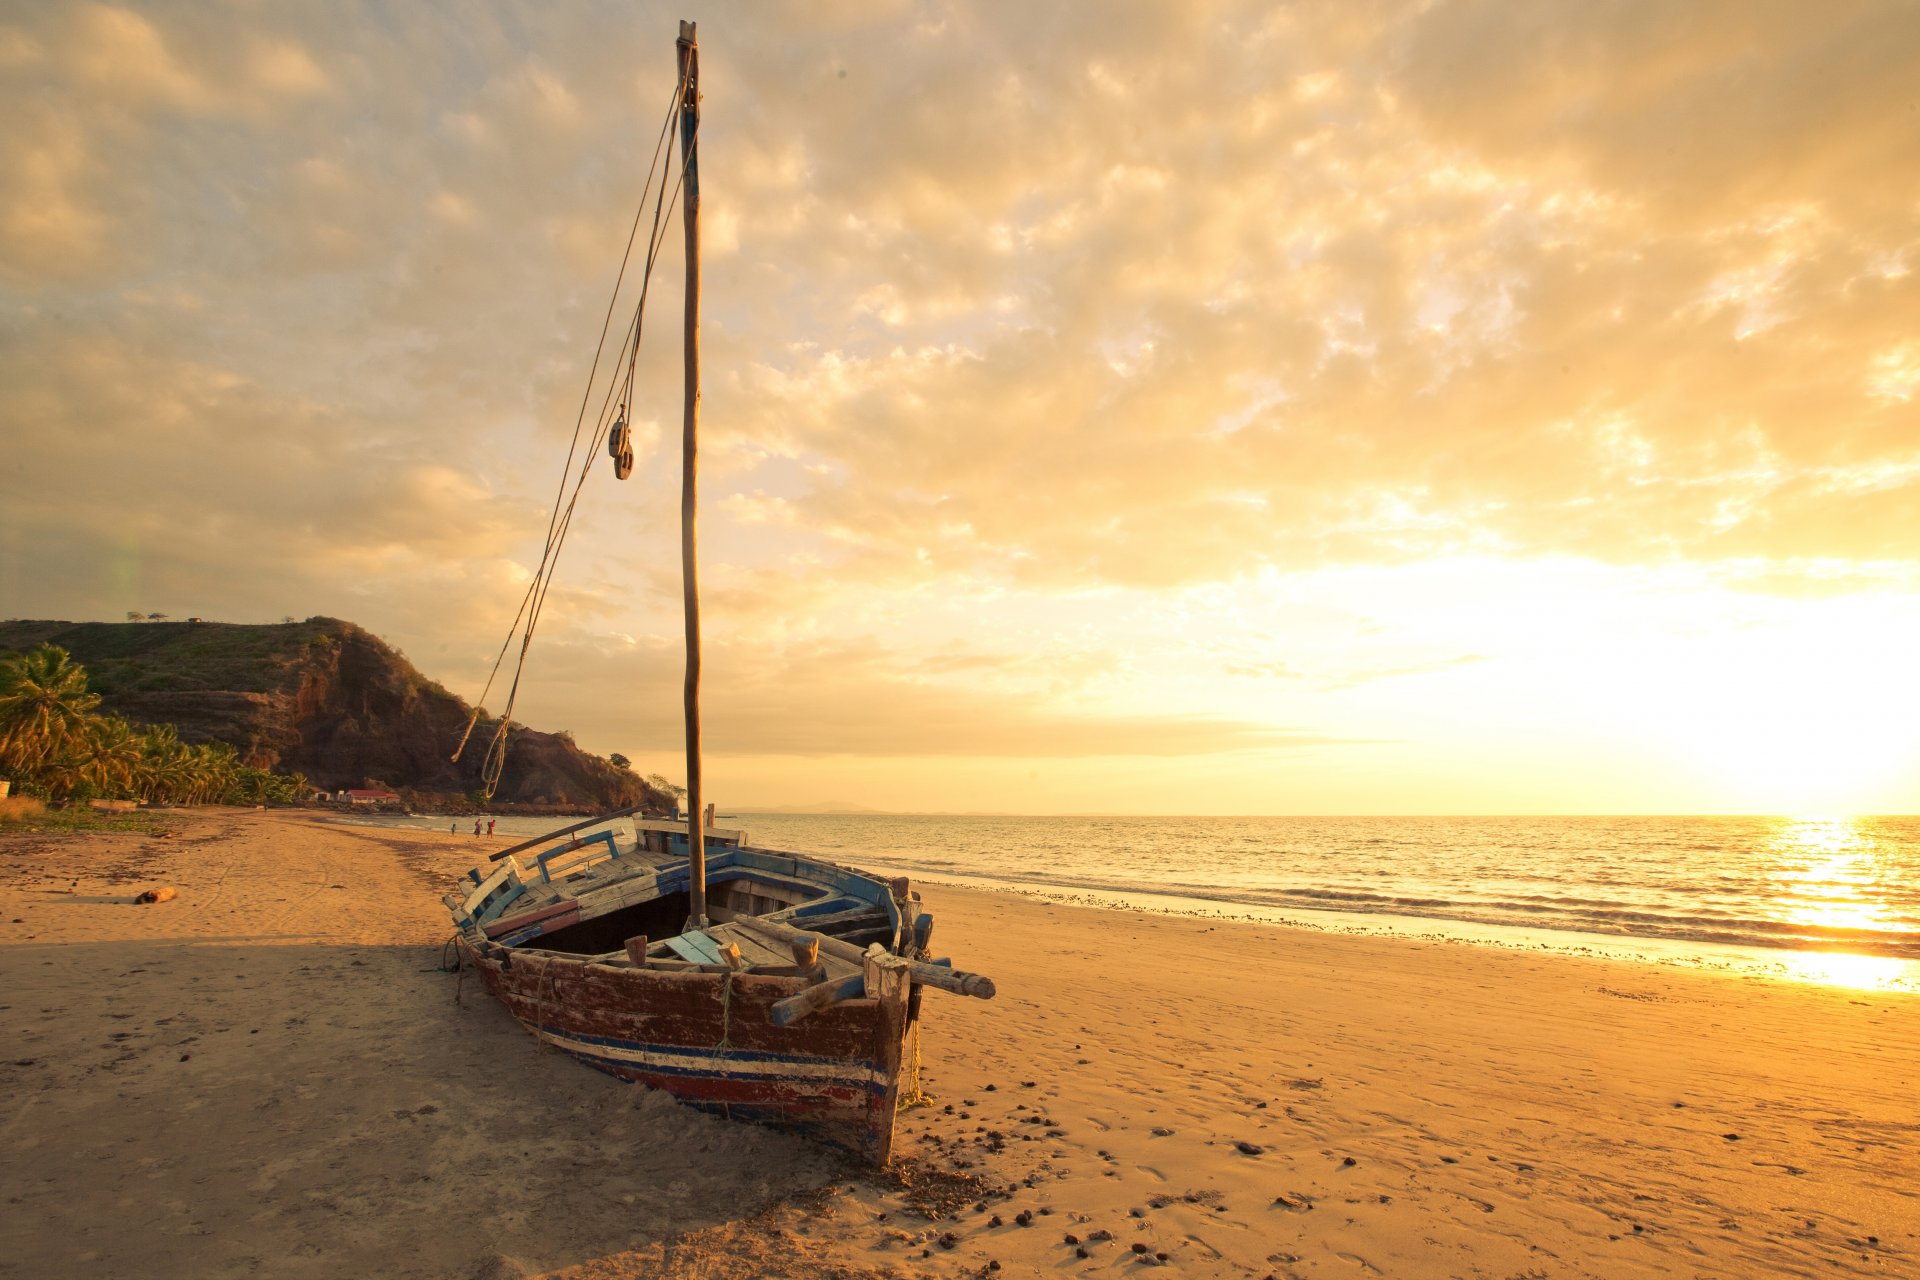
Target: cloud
117,52
841,700
1504,334
1013,319
50,227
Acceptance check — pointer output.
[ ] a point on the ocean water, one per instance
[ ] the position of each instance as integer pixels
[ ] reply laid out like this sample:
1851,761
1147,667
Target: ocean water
1830,900
1826,899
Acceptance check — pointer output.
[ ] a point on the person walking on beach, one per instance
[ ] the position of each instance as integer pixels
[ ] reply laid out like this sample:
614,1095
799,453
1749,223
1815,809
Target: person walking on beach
453,828
476,826
489,826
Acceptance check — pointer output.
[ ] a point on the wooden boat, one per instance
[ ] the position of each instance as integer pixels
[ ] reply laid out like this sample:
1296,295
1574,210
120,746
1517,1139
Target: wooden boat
763,985
792,1007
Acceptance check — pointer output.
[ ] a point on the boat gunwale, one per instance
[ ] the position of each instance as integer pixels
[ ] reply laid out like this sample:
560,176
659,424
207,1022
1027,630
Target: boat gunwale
483,907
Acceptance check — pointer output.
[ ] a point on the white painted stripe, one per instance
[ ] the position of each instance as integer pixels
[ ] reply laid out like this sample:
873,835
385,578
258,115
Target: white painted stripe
713,1062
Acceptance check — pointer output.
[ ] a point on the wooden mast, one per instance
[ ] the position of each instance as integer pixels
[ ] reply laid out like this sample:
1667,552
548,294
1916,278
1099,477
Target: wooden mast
687,50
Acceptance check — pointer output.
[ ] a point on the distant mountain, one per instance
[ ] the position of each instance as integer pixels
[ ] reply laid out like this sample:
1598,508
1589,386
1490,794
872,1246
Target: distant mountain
327,699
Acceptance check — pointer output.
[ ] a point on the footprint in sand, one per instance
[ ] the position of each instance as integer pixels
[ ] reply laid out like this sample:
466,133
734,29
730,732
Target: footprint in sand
1204,1245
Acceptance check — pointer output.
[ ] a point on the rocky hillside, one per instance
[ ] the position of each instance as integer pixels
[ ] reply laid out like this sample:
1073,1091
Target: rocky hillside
326,699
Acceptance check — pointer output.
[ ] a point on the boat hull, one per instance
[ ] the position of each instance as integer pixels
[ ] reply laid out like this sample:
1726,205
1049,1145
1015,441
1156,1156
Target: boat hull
709,1040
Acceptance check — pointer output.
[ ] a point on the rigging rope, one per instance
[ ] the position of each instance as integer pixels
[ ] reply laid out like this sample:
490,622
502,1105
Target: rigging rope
561,519
495,761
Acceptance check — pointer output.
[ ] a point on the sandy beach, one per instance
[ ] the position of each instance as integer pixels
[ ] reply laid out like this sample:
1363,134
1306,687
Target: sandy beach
273,1075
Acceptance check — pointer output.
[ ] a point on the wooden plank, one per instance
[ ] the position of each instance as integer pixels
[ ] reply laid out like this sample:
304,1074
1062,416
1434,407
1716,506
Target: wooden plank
588,855
695,946
539,915
755,948
841,921
485,887
563,831
965,984
815,998
786,935
828,906
886,976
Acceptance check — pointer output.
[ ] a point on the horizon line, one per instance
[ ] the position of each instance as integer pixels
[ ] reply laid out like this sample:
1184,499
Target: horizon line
802,811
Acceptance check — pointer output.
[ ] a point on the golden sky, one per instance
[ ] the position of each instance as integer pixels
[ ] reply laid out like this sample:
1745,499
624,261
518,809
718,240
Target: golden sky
1213,407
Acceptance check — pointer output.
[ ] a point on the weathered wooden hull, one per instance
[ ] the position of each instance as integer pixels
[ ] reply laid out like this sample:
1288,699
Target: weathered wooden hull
709,1040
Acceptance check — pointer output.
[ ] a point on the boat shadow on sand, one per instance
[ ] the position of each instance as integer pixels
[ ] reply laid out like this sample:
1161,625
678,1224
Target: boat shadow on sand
239,1106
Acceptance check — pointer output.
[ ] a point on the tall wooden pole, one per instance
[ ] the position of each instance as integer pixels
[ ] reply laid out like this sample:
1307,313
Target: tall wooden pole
687,49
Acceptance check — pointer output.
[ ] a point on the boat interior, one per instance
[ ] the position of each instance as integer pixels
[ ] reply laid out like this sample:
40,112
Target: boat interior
625,904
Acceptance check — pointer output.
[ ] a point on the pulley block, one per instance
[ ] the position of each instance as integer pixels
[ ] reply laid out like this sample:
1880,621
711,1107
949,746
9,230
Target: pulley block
620,447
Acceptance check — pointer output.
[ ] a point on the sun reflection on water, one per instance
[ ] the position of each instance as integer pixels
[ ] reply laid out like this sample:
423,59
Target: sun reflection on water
1829,874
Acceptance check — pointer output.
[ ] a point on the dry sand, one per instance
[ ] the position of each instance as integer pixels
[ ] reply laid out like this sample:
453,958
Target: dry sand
271,1076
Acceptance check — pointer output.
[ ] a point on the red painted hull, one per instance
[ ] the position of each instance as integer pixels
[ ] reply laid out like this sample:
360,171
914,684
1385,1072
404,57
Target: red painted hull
709,1039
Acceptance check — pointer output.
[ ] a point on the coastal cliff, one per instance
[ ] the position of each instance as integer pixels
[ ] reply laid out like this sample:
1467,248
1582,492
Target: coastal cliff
327,699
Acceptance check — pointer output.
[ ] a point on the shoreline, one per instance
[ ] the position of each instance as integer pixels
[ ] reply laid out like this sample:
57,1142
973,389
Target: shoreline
284,1083
1834,968
1827,966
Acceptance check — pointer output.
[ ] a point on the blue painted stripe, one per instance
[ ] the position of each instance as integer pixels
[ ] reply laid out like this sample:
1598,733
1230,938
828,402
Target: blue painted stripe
829,905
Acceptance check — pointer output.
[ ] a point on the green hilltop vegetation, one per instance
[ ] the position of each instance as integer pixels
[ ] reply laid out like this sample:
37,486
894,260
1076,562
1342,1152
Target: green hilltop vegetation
286,706
150,657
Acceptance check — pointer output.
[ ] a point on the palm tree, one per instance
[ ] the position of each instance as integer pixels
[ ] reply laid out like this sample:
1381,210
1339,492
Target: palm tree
44,708
110,756
215,773
164,772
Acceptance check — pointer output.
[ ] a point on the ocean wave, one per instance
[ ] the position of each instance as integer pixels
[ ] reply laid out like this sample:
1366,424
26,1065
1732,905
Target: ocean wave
1711,881
1667,926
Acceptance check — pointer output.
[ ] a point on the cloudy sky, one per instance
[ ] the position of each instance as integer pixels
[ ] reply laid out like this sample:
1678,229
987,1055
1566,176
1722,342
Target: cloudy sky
1203,407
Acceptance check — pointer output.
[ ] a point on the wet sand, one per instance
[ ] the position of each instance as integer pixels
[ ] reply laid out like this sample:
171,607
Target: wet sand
271,1075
